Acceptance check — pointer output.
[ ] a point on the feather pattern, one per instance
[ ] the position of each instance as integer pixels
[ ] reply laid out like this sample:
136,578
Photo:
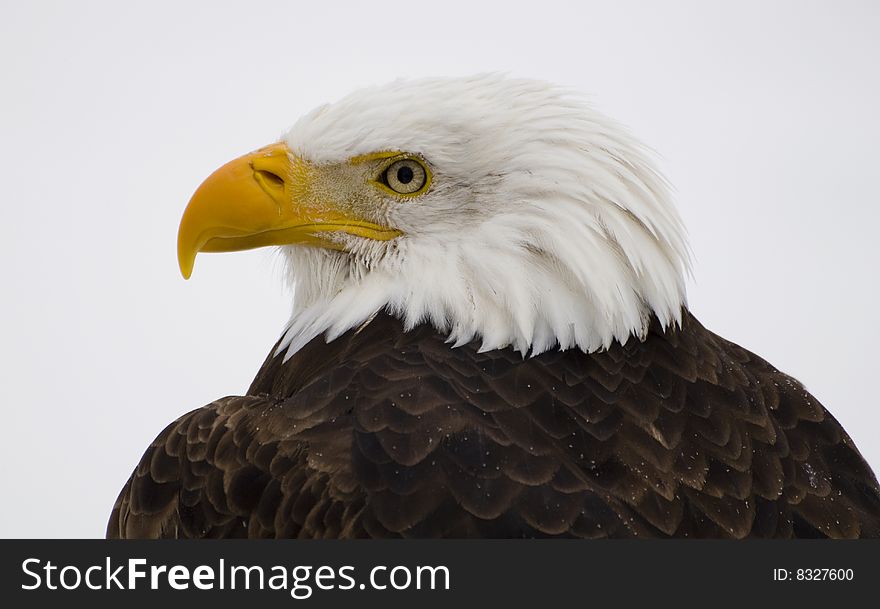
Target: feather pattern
385,432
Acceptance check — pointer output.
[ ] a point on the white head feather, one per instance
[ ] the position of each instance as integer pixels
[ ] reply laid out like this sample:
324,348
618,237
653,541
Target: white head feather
546,225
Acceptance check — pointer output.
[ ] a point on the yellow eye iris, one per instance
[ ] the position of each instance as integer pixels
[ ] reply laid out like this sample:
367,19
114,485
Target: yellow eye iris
405,177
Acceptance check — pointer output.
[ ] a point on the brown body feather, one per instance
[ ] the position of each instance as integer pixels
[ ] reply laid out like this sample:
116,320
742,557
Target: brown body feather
386,433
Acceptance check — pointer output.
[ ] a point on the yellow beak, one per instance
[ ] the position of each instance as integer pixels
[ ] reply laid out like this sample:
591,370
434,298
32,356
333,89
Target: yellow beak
261,199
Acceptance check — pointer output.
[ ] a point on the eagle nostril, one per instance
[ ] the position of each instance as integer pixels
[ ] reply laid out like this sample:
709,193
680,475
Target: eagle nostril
270,179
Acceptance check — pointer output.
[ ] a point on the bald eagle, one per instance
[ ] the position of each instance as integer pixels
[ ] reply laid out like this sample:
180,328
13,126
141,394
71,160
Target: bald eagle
489,338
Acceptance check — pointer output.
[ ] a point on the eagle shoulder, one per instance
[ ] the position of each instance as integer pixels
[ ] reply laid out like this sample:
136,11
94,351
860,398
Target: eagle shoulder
215,473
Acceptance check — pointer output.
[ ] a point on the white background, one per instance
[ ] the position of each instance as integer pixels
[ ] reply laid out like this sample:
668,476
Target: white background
764,113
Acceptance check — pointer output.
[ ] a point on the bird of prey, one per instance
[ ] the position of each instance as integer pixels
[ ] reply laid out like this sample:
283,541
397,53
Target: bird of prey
489,338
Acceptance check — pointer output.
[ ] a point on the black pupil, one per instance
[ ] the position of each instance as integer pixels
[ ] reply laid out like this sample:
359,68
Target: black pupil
405,175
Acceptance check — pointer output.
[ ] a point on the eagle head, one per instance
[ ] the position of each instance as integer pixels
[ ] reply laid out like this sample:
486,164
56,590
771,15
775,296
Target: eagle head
501,210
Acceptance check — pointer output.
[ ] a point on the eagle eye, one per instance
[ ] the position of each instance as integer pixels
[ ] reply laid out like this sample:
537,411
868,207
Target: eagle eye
405,177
